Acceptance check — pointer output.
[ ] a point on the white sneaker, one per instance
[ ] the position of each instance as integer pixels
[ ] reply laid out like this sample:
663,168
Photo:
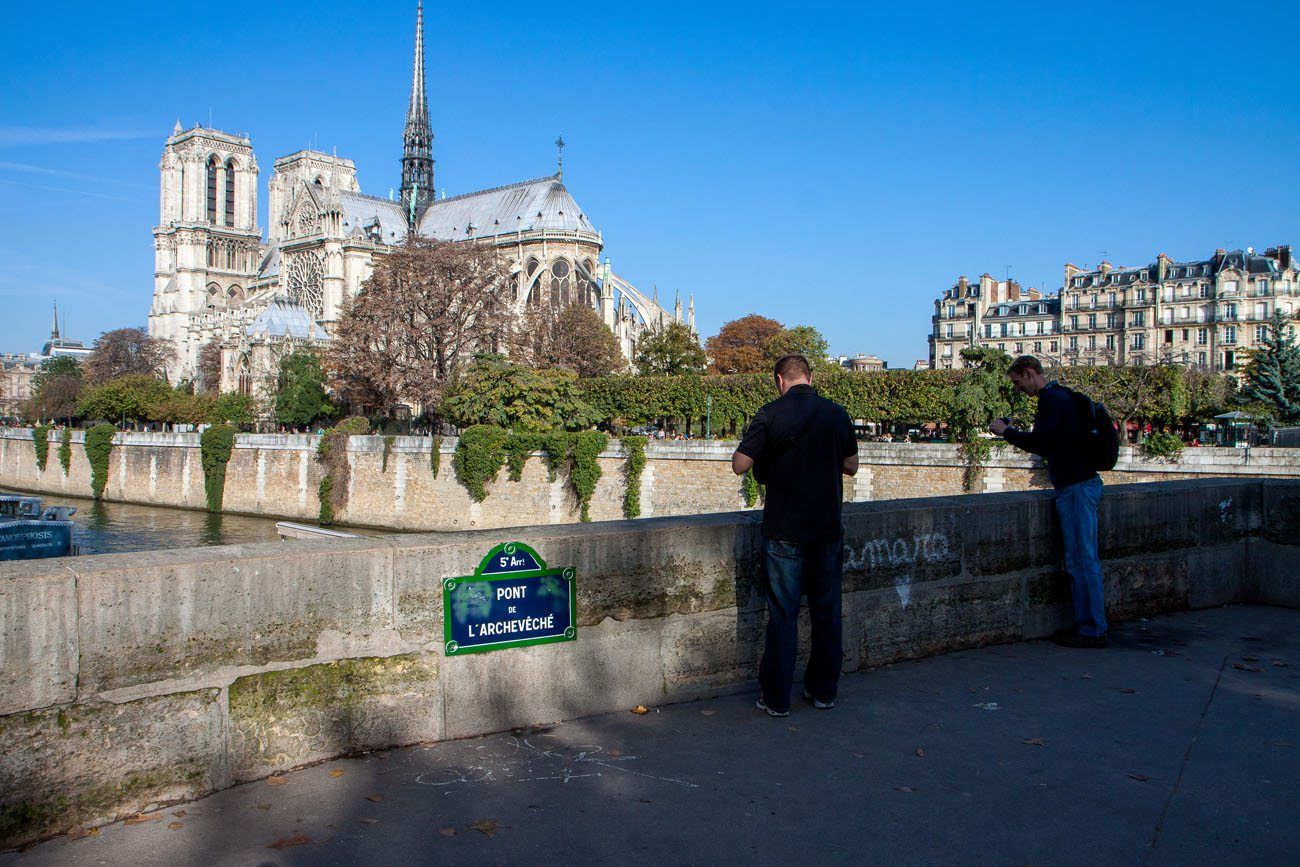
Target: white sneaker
818,703
761,706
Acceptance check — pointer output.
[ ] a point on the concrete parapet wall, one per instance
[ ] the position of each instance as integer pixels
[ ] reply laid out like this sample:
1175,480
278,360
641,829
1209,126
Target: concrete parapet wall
132,679
278,475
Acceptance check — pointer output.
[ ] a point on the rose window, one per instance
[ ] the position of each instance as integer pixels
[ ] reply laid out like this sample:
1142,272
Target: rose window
306,278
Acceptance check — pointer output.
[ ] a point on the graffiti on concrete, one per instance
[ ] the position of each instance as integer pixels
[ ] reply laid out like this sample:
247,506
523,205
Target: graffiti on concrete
893,553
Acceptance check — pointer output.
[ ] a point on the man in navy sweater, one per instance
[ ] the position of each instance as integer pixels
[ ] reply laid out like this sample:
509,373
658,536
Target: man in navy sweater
1057,438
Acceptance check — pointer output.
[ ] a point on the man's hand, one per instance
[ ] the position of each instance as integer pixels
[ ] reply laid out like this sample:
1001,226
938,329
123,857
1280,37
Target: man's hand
998,427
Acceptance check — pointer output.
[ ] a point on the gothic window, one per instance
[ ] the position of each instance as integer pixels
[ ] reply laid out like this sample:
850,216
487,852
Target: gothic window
245,377
560,279
230,192
234,295
212,189
306,278
214,294
306,221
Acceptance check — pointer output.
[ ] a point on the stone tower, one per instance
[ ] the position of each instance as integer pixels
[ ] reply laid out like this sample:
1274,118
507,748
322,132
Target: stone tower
207,242
417,138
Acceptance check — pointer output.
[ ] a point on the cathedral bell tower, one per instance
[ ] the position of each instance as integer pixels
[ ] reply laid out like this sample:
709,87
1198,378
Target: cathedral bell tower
207,241
417,138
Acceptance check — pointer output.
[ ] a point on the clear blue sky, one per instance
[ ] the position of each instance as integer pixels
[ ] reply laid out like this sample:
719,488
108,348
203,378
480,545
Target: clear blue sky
832,165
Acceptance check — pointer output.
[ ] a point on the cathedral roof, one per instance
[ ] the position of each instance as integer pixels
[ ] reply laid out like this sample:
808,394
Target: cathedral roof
282,318
361,212
540,204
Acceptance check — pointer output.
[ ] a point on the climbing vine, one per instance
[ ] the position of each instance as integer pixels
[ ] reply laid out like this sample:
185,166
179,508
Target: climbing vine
332,452
215,447
634,449
388,450
65,450
975,452
518,447
435,455
41,441
751,488
98,446
584,468
480,452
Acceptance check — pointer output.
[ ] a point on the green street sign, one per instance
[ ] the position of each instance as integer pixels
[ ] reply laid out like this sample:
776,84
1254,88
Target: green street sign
512,600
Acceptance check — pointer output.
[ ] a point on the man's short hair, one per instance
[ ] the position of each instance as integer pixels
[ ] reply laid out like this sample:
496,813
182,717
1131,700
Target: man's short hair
792,366
1023,363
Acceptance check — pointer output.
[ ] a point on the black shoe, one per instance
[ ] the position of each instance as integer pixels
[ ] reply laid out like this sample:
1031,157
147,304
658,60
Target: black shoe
1071,638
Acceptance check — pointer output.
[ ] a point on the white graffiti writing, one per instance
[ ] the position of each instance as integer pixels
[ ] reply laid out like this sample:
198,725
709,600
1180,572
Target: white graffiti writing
880,553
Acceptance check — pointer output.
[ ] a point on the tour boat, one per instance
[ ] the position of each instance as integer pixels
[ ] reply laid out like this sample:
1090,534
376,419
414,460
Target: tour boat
28,532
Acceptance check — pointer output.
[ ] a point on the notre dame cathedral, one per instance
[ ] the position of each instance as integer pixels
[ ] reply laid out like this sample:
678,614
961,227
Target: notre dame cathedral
217,280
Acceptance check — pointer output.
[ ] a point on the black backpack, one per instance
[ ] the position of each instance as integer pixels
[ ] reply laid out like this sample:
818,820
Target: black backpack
1098,437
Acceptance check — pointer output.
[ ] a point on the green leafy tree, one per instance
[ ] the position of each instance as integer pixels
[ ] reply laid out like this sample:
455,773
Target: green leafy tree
802,340
1273,373
233,408
300,396
673,350
982,394
131,397
495,392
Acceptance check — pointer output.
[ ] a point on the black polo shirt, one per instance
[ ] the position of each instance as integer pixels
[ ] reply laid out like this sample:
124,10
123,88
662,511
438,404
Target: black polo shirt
799,443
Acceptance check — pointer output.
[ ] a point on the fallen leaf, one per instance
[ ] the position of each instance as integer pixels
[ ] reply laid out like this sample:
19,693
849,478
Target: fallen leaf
369,821
263,806
615,753
299,839
175,826
971,690
140,819
486,827
1250,658
1128,690
1086,676
920,753
1141,778
276,780
708,712
903,788
337,772
1035,742
1280,663
374,798
792,728
179,814
447,832
1240,667
858,755
78,833
640,709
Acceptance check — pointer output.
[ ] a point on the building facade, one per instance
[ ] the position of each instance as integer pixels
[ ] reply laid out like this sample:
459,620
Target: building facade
217,281
1207,313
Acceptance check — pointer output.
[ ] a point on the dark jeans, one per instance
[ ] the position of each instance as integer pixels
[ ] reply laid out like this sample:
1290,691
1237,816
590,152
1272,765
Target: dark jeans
792,570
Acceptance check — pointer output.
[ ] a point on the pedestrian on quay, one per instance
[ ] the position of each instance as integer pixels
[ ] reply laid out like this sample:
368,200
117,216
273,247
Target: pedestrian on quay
800,446
1057,436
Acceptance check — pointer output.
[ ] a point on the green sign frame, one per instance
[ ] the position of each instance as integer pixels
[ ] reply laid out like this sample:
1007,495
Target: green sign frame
529,580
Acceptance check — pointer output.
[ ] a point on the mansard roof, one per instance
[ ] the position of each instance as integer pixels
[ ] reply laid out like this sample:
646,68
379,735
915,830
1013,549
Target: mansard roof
542,204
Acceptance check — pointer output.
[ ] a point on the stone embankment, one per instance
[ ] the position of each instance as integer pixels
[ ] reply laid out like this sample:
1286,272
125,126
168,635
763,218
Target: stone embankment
129,680
278,475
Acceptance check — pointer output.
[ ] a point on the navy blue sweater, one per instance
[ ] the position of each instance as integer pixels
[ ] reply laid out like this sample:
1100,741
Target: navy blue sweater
1056,437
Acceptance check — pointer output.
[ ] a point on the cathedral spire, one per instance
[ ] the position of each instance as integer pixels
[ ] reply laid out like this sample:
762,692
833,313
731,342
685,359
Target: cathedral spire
54,327
417,138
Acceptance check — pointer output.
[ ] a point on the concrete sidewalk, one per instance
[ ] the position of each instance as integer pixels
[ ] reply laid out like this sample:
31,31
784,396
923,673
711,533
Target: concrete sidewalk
1178,745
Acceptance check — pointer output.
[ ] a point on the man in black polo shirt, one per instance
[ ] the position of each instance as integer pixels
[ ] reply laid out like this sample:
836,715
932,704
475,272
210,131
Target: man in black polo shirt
799,446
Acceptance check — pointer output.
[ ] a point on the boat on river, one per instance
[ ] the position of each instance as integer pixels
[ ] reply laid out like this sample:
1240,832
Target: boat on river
30,532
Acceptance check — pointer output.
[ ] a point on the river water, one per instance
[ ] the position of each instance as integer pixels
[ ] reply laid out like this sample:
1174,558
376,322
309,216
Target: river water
109,528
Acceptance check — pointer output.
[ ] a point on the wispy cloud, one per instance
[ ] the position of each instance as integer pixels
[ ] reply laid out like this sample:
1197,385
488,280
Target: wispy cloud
13,136
5,165
25,277
48,189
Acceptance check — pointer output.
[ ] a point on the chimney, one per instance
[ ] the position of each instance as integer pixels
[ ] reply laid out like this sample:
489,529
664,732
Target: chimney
1013,290
963,286
1104,268
1162,267
1282,254
1219,255
1070,271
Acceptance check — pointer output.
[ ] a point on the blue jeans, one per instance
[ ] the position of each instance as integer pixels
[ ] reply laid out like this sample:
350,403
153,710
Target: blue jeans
794,569
1077,506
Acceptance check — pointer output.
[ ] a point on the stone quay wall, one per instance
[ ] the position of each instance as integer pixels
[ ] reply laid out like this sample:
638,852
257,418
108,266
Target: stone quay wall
278,475
135,679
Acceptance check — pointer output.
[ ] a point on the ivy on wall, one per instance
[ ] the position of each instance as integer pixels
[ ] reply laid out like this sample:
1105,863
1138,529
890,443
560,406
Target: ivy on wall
435,455
65,450
332,452
751,489
41,442
215,447
98,446
478,458
388,450
484,449
584,468
634,449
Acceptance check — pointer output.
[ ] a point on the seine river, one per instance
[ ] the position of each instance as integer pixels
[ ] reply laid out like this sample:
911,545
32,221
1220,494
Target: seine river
108,528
